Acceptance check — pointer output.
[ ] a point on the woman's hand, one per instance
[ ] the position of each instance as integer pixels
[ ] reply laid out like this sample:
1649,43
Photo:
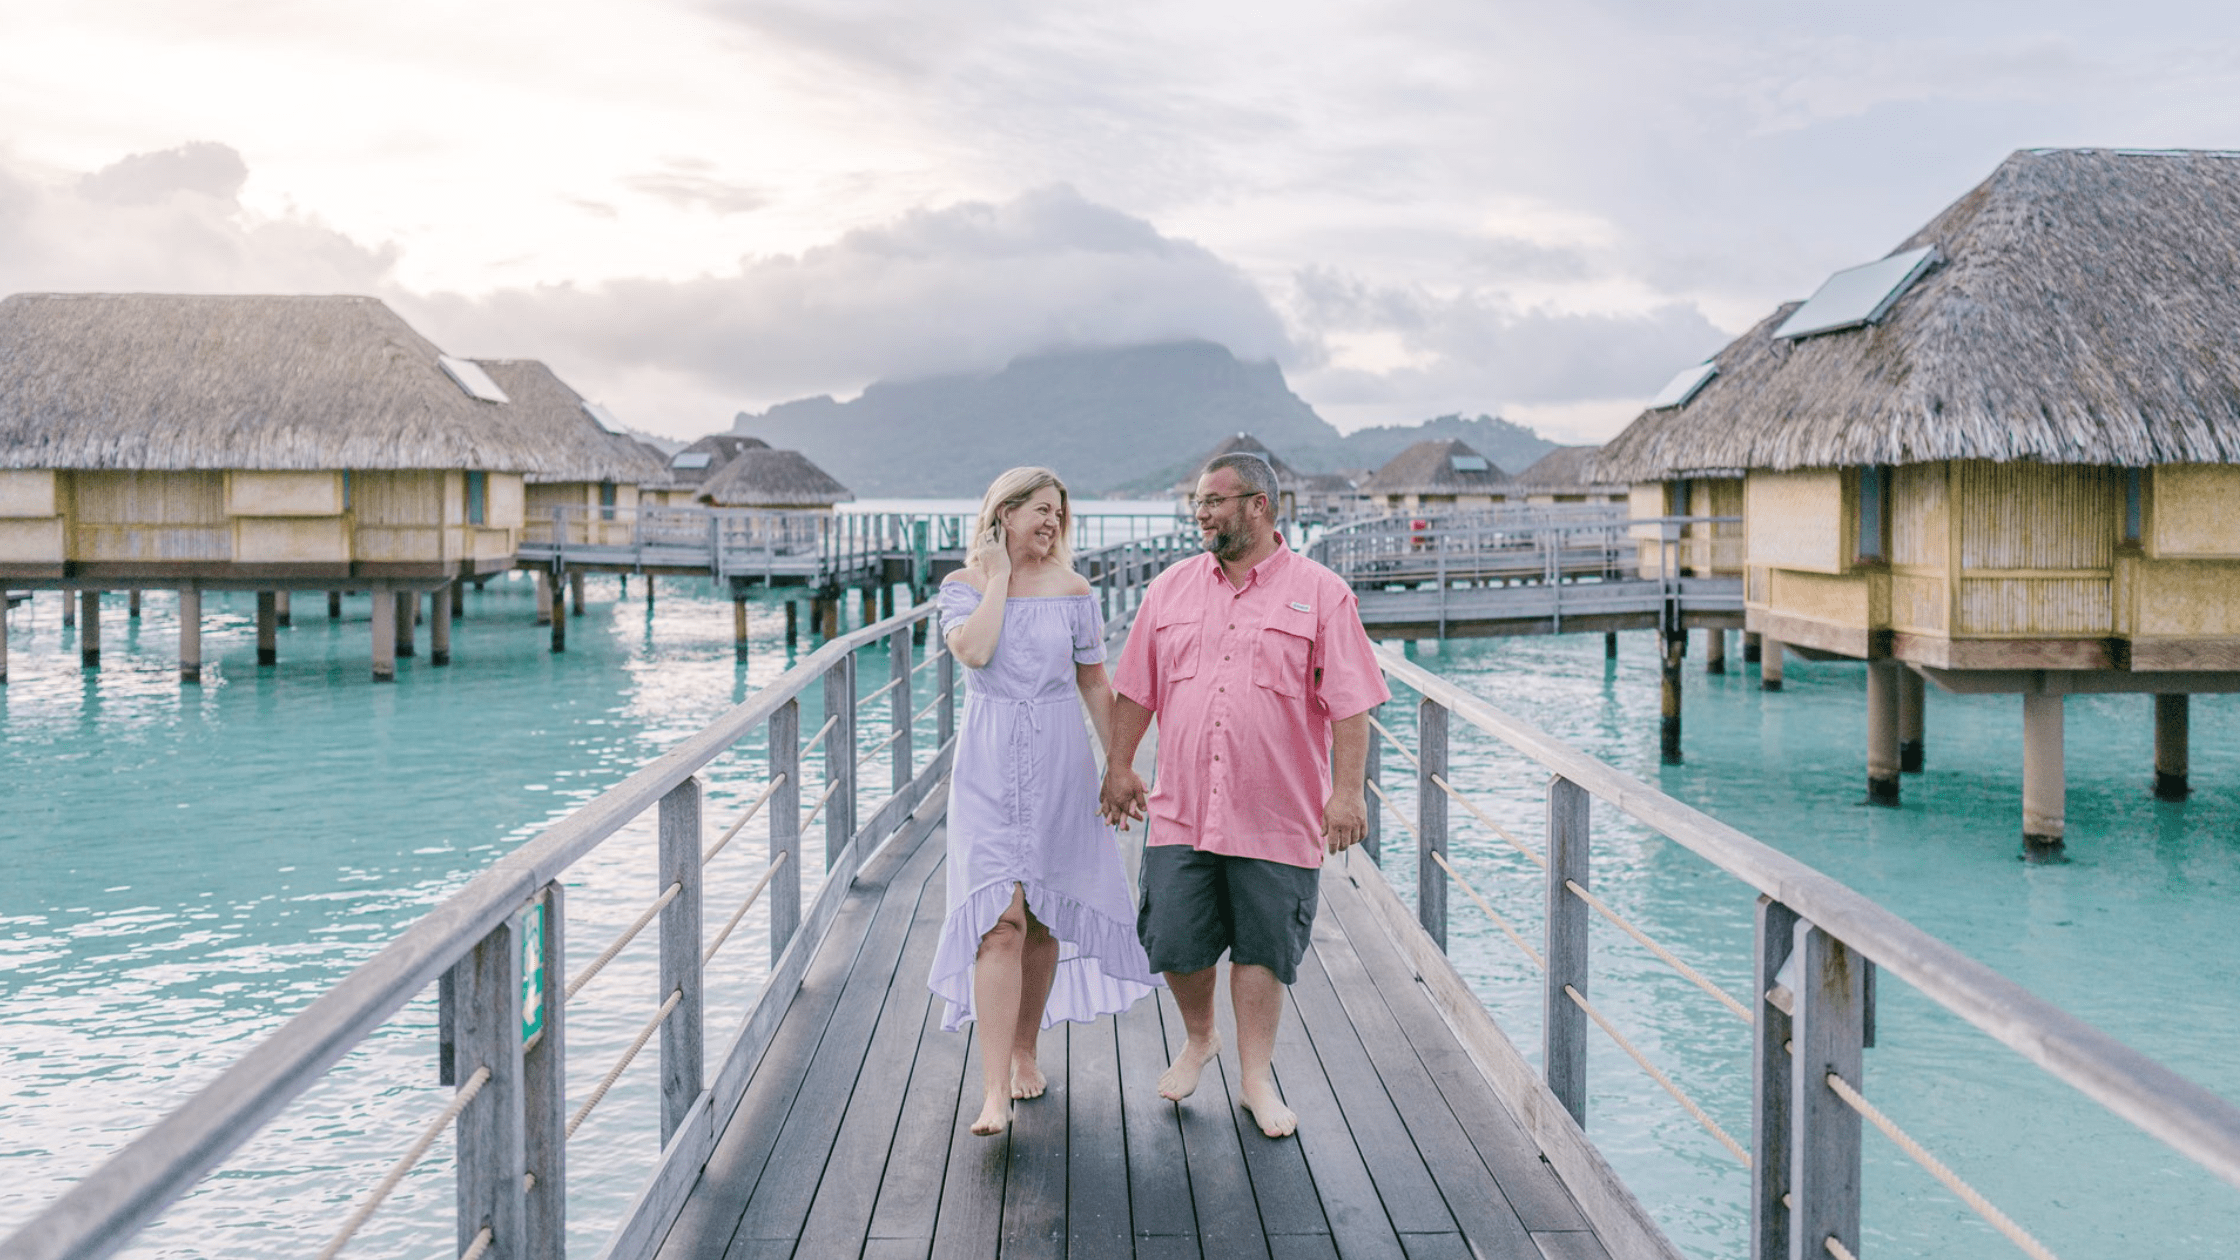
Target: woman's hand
992,555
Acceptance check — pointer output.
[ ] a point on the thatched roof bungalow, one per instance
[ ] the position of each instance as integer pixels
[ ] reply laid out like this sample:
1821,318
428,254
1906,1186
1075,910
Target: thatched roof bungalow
696,465
760,477
1437,474
1565,475
594,471
1293,490
2012,446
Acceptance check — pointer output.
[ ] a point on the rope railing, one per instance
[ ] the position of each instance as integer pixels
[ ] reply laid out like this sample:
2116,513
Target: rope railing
481,1244
1689,1104
1936,1168
931,657
614,1073
629,934
880,747
1394,740
890,686
744,906
1498,921
931,705
1405,821
388,1183
773,785
818,808
818,738
1520,846
1742,1012
1834,1247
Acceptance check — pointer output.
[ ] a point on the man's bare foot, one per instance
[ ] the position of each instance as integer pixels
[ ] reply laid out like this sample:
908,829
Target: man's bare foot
995,1115
1180,1080
1268,1110
1027,1080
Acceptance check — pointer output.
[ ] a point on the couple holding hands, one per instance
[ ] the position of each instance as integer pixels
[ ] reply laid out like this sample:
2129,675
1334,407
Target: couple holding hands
1253,659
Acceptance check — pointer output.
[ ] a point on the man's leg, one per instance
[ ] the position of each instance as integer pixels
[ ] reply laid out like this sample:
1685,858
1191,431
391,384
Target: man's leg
1257,995
1193,995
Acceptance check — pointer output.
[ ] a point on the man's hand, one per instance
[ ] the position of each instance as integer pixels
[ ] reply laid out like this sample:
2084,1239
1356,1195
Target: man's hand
1345,820
1123,795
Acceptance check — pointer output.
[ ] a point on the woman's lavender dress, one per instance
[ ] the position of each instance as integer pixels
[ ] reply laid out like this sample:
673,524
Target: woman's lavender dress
1023,809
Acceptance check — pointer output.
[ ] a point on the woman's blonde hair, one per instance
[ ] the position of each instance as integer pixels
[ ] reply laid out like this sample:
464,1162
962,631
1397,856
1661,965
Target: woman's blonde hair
1014,487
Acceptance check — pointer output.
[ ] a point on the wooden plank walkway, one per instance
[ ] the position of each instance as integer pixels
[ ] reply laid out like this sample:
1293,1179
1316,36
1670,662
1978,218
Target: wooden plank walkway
851,1137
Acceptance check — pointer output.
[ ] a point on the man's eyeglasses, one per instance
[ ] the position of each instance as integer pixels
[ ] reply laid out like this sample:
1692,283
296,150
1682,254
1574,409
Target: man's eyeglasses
1216,500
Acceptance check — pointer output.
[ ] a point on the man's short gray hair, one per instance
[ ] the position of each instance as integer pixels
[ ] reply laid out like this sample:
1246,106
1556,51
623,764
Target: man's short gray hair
1257,474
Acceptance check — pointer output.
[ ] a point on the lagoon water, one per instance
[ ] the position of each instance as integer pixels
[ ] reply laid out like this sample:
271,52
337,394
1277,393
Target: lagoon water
187,867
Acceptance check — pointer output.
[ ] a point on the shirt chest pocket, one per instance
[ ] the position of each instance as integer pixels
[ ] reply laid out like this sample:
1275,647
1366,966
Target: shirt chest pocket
1174,644
1283,652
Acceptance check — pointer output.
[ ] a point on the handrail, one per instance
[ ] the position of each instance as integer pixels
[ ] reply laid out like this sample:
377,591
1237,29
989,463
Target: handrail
2190,1119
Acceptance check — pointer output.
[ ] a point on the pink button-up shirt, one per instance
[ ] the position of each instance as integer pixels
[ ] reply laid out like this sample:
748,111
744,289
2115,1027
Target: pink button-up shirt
1245,683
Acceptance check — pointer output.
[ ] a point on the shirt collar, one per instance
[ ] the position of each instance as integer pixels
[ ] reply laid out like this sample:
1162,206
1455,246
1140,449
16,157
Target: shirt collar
1261,573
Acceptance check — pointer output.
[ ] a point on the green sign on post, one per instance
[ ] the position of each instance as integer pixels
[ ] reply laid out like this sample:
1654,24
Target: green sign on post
532,971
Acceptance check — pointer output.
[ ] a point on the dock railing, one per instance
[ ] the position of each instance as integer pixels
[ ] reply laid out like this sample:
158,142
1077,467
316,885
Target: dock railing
494,949
1818,948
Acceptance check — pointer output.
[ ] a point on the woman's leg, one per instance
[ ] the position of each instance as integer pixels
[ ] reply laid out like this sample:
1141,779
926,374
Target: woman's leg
1038,964
996,984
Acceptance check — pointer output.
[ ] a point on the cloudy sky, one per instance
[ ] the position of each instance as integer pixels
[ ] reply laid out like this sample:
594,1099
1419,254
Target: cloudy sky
1421,206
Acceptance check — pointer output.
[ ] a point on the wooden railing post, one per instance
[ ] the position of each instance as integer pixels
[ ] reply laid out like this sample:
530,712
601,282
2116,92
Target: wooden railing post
785,826
945,677
898,669
1431,820
1770,1085
682,1074
486,1025
544,1073
1372,841
840,757
1827,1034
1563,1024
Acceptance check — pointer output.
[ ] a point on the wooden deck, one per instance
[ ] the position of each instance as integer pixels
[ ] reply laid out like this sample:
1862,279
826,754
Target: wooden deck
851,1137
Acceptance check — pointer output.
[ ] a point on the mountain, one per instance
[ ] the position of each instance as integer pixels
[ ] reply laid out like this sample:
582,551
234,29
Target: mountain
1134,419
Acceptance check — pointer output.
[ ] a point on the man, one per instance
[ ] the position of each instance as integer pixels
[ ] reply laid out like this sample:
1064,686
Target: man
1254,660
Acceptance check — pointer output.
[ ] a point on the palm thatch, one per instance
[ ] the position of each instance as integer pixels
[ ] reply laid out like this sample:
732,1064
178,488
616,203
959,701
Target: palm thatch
1431,467
761,477
2087,312
1566,469
169,382
1287,477
687,469
580,449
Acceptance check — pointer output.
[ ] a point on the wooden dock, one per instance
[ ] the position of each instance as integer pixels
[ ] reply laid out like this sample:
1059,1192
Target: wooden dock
851,1137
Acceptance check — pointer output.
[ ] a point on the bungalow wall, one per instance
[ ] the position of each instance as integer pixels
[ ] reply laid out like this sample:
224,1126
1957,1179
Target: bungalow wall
1702,550
593,512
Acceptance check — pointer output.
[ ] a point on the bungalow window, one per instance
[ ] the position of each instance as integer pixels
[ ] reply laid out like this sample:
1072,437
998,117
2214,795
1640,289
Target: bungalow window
606,500
2134,504
478,497
345,489
1874,513
1682,492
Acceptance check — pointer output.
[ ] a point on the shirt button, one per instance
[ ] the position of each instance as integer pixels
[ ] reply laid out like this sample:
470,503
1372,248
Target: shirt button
1224,658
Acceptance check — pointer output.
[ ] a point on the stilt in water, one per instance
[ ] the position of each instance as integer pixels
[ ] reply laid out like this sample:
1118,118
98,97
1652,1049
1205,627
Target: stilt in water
1610,645
1752,649
89,634
649,592
1912,695
870,606
575,592
793,622
1669,728
3,638
458,600
384,637
190,635
2171,736
559,621
69,610
1714,651
281,609
334,605
886,602
622,585
739,626
1769,665
1882,732
403,605
132,604
2045,787
439,624
268,628
544,596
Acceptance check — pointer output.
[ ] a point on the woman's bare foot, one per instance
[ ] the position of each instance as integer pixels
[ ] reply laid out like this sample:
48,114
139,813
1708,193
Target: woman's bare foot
995,1116
1268,1110
1027,1080
1180,1080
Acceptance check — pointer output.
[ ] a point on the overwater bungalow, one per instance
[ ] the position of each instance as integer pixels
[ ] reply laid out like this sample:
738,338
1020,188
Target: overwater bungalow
595,471
1565,475
1435,475
2005,458
1290,482
760,477
251,443
698,464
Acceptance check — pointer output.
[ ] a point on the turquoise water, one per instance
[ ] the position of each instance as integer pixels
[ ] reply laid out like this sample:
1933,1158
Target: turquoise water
190,866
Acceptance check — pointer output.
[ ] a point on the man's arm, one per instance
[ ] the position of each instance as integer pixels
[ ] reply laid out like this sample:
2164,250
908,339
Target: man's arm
1123,795
1345,816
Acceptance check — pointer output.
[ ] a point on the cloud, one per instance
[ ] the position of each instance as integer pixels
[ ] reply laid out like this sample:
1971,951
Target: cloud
687,184
211,170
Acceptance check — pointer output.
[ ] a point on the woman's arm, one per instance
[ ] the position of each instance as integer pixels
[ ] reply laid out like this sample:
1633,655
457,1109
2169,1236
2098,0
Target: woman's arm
974,642
1096,696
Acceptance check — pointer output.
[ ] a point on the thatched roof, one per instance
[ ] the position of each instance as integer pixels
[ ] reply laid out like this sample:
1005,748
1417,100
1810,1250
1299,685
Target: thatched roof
177,382
2087,312
761,477
1564,468
580,448
1287,477
1429,467
687,468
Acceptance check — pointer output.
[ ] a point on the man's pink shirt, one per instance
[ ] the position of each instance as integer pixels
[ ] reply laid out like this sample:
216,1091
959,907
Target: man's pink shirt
1245,683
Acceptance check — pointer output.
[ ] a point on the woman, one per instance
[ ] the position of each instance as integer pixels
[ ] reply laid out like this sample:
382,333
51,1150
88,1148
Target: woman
1041,926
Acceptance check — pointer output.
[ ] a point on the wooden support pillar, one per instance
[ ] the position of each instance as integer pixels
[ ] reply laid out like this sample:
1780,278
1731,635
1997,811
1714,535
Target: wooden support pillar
1912,695
1769,666
1610,645
492,1149
334,605
132,604
1771,1083
1753,650
407,608
544,1102
190,635
793,622
575,593
1714,651
544,596
2171,756
69,610
89,634
1828,1037
622,586
649,592
268,628
739,626
785,825
439,624
886,601
458,599
1563,1022
2044,777
282,609
1675,641
1431,820
559,620
3,637
1882,732
683,1071
384,637
870,605
832,617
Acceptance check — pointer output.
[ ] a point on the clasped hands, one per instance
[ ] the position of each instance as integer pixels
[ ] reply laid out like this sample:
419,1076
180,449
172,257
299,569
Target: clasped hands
1345,816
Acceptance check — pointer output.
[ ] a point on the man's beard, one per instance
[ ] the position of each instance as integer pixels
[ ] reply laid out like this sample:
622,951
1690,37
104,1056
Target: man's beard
1230,544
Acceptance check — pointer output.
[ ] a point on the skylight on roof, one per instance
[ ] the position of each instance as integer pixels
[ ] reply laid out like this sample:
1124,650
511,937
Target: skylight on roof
471,378
604,418
691,459
1684,386
1858,295
1468,463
